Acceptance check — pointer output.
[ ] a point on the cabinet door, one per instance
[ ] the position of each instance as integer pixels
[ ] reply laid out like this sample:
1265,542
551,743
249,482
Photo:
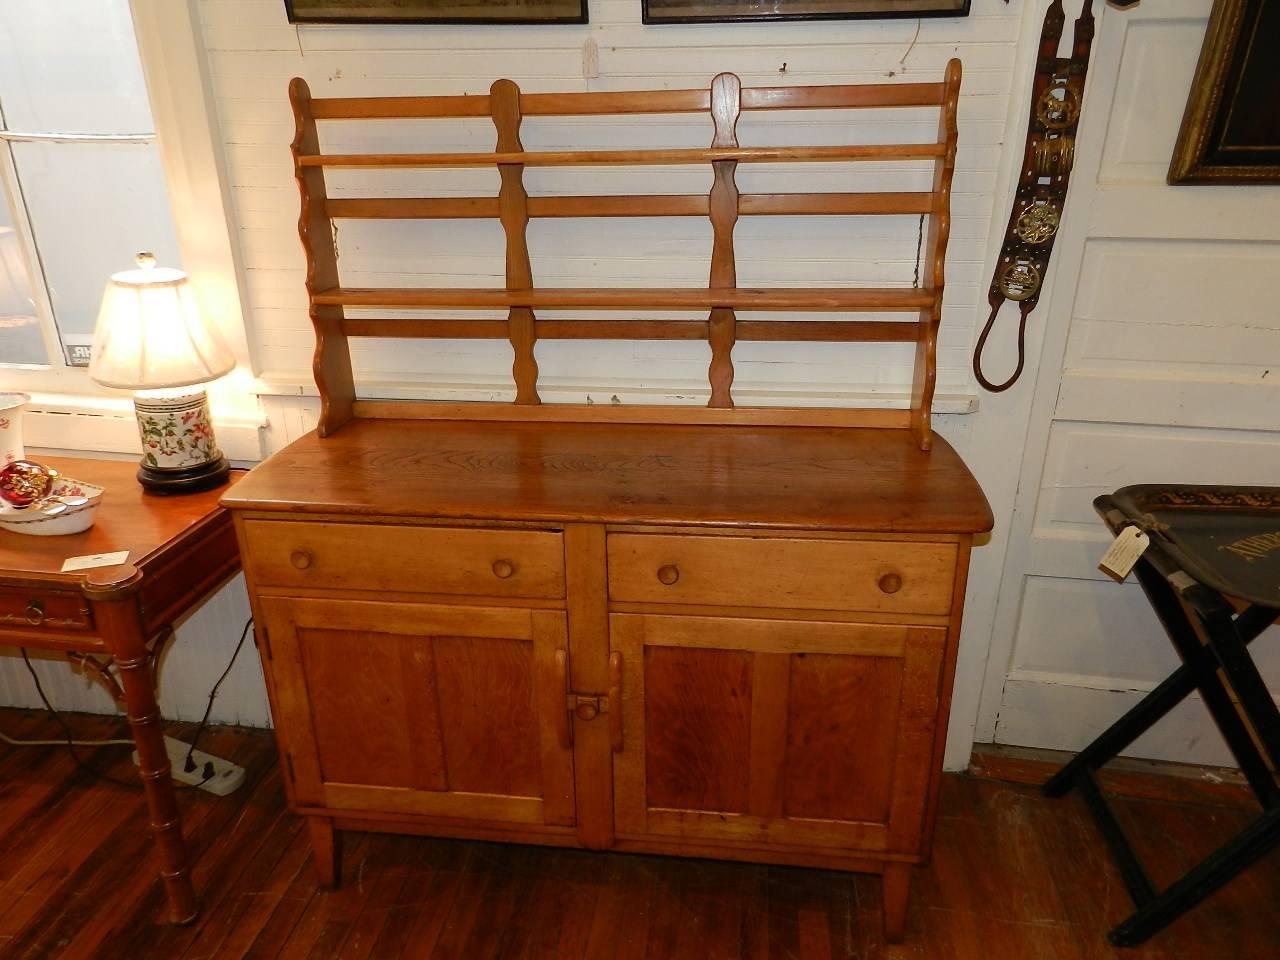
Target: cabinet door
785,733
423,710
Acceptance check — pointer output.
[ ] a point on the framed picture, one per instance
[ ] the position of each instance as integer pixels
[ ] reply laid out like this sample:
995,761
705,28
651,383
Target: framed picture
728,11
1231,128
436,11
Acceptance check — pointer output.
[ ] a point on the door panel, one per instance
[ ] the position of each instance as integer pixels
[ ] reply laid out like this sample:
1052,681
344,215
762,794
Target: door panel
832,697
697,727
1158,366
775,732
419,709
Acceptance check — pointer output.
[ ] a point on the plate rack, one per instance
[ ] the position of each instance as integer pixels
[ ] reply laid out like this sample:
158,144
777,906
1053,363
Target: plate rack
722,298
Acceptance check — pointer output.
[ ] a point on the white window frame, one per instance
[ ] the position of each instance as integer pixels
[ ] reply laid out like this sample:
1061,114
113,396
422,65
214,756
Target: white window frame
176,72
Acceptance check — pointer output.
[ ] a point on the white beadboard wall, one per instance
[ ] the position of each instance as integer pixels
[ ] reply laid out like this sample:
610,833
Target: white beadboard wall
252,53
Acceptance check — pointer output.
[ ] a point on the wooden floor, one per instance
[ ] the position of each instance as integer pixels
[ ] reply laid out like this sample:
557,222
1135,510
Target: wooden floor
1013,876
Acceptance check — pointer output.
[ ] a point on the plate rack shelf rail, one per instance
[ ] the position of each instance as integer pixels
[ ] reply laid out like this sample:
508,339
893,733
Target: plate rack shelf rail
723,300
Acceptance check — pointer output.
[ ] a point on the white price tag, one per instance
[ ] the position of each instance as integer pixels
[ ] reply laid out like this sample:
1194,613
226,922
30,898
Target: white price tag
1121,556
89,561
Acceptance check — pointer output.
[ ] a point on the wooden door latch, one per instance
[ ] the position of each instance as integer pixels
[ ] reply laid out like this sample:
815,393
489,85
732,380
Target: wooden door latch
588,706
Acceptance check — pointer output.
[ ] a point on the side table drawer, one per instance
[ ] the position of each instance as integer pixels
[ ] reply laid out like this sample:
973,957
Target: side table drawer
48,609
407,559
883,576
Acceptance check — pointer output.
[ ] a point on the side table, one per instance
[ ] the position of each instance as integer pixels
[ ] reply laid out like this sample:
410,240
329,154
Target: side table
116,619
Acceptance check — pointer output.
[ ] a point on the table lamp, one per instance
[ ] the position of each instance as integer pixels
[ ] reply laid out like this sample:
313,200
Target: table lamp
152,339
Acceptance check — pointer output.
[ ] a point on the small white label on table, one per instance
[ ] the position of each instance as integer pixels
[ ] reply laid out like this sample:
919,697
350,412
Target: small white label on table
1120,558
94,560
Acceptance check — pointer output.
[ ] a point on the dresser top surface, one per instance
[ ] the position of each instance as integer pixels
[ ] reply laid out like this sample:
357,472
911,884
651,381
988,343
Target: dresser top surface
782,477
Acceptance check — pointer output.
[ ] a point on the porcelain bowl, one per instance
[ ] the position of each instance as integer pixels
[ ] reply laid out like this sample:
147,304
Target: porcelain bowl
72,520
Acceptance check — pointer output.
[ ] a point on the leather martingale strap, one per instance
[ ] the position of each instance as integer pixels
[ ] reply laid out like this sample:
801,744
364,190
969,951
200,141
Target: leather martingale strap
1056,96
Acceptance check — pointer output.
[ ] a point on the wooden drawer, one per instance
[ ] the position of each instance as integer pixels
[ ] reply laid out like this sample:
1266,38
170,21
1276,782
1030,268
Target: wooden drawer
408,559
886,576
44,609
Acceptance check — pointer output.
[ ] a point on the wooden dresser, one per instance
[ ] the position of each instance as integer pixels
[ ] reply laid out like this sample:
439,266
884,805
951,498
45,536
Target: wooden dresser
703,631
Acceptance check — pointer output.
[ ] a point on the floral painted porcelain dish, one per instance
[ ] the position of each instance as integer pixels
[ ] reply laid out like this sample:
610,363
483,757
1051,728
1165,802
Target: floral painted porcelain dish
74,519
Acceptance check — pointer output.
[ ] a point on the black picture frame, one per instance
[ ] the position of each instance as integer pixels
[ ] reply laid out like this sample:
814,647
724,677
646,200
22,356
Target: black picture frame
386,11
740,11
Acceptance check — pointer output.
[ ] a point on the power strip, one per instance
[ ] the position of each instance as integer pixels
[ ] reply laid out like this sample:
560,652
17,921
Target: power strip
211,773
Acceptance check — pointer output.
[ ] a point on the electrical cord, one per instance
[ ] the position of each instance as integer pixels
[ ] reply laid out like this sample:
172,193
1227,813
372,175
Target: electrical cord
70,737
16,742
189,764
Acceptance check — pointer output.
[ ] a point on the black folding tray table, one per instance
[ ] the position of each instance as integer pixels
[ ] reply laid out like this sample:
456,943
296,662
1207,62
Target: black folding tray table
1212,576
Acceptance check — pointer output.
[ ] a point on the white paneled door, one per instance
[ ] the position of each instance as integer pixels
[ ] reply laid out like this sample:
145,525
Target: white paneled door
1161,363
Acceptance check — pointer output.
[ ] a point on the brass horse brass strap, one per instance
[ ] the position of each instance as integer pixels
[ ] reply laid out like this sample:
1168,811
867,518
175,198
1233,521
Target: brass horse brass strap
1056,96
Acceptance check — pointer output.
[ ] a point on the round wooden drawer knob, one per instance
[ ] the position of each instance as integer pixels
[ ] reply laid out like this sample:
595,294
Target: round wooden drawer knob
669,574
35,613
891,583
301,559
502,569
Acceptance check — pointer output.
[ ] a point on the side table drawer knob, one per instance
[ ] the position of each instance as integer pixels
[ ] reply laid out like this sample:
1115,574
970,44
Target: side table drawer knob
891,583
668,574
301,559
35,613
502,569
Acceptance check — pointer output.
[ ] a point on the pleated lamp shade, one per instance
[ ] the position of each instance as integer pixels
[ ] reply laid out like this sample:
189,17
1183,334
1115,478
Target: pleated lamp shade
151,335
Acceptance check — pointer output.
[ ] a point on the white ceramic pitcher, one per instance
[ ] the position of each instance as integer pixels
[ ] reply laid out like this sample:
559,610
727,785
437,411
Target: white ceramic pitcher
11,406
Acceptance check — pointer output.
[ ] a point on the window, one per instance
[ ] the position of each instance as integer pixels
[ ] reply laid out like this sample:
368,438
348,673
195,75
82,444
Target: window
84,188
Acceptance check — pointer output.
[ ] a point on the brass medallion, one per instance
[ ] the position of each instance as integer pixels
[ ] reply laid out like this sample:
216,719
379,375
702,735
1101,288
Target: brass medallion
1037,223
1019,280
1058,112
1054,157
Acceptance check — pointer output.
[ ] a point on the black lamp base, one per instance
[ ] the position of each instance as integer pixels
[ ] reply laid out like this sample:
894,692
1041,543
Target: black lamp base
191,480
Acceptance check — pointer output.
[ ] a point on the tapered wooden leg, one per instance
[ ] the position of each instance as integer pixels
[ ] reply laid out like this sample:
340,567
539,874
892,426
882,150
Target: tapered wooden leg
326,851
897,888
115,606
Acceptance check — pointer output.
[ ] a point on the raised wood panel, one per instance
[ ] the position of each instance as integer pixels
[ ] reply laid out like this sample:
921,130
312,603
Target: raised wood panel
880,576
1183,306
697,727
1170,399
1156,68
1062,712
1071,628
728,738
396,745
411,708
323,555
487,718
842,724
1085,460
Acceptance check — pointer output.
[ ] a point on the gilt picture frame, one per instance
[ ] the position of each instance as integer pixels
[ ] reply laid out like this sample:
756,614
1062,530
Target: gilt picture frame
1231,128
746,11
526,12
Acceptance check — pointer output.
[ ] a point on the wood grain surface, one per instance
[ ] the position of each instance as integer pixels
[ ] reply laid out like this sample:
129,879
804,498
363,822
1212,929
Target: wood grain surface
786,477
128,518
725,102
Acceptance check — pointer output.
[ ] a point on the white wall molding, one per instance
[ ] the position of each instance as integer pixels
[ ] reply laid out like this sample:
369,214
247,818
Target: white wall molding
101,424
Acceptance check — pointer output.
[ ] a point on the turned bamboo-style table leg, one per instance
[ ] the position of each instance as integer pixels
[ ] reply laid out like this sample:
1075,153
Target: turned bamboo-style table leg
113,591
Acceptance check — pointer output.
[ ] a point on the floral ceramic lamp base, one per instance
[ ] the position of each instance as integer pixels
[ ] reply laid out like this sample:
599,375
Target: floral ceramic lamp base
179,452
